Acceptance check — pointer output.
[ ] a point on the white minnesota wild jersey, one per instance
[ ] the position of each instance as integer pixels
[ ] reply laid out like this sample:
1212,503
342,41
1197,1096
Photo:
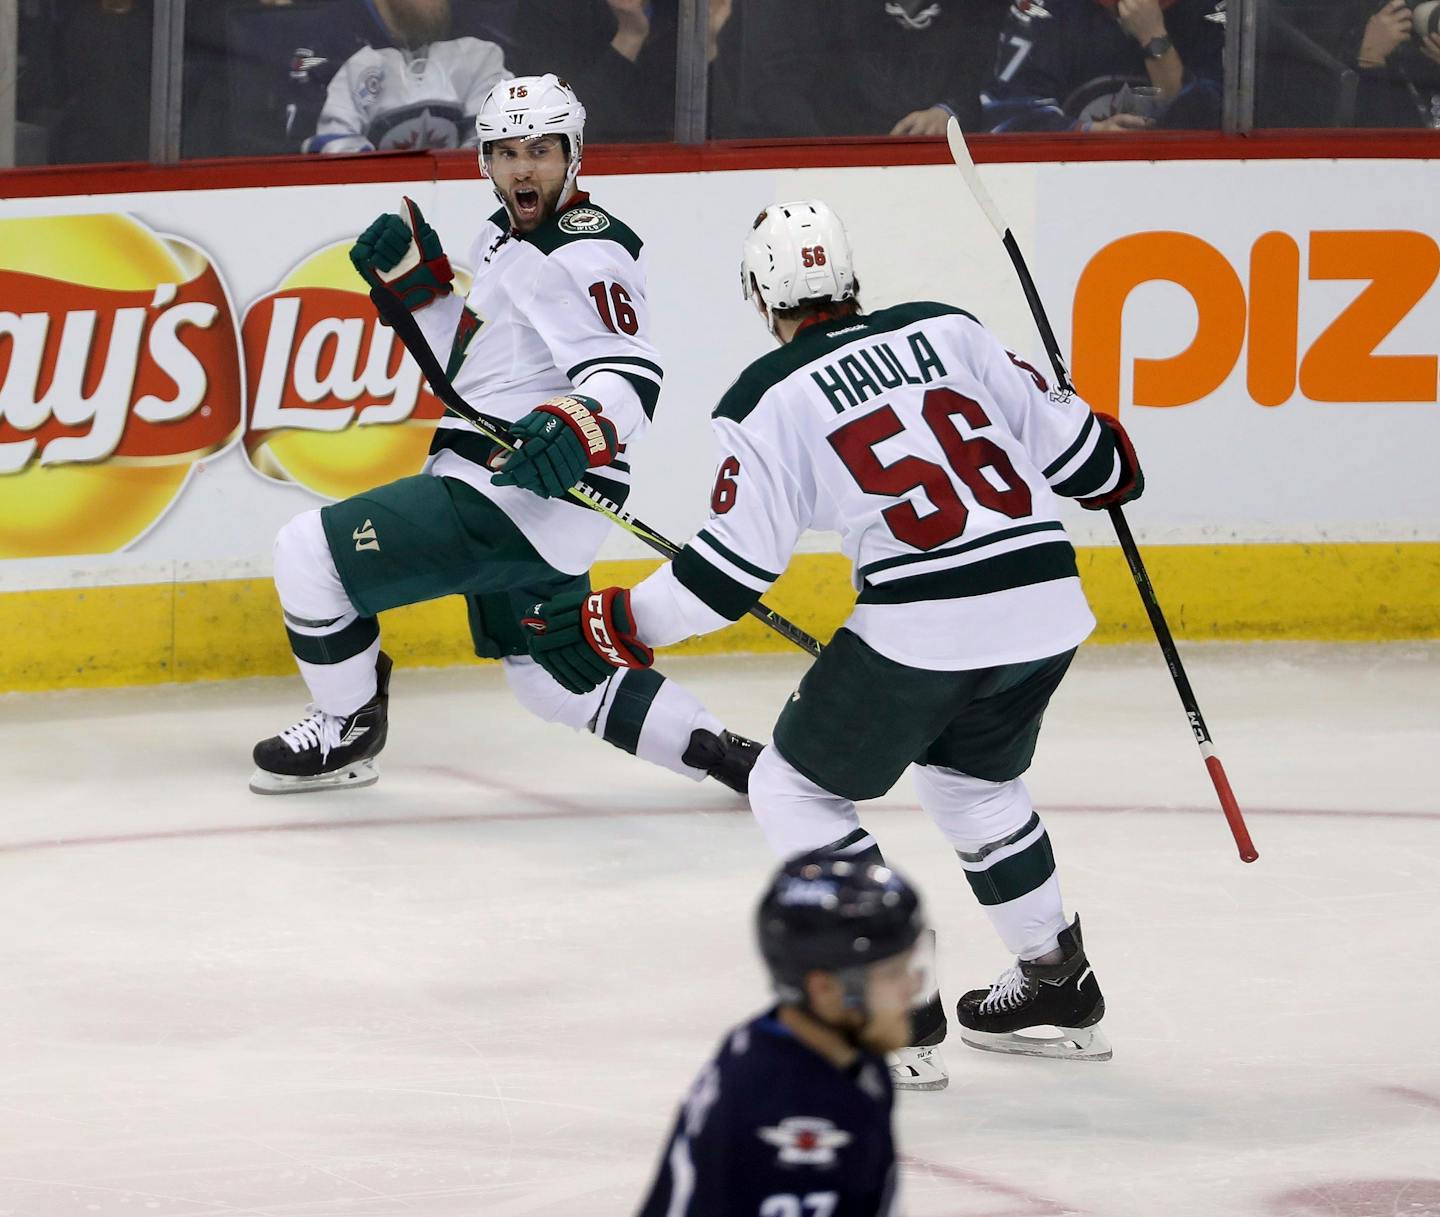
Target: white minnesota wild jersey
936,454
558,310
389,99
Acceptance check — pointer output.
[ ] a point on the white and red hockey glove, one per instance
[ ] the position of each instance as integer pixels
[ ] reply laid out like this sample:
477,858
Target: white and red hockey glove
580,638
559,440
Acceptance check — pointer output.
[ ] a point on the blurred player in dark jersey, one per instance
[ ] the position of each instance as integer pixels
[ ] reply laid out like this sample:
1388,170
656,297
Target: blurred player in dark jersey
792,1116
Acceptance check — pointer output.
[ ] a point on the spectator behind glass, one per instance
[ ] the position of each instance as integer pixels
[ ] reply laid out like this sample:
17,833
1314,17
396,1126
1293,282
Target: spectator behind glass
37,101
102,56
1357,63
1067,64
412,86
618,54
855,67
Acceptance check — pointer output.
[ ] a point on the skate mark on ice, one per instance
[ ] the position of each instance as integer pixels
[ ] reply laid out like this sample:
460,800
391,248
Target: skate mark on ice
993,1198
1415,1096
1359,1198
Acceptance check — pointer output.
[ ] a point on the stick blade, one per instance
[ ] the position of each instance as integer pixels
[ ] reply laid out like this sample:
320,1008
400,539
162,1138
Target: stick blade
964,162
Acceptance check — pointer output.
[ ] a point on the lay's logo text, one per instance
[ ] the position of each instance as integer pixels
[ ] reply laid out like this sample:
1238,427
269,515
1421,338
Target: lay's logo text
118,372
1264,321
337,404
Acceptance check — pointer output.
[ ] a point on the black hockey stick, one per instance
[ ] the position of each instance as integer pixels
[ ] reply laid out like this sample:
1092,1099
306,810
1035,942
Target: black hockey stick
394,314
966,164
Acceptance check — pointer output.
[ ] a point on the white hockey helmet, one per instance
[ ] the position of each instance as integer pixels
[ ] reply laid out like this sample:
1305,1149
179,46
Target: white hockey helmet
797,252
527,107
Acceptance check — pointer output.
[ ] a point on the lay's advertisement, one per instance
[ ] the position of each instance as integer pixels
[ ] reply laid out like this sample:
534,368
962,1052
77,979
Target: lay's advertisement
119,373
337,405
182,372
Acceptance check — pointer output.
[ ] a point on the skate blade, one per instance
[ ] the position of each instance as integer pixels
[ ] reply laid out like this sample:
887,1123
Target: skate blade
361,773
917,1069
1067,1044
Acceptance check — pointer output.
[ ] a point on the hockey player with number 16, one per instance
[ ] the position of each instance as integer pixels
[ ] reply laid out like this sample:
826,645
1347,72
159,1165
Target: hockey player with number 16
554,339
937,455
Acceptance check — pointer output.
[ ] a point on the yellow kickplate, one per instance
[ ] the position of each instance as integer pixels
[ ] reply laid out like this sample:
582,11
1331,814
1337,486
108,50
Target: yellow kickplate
98,636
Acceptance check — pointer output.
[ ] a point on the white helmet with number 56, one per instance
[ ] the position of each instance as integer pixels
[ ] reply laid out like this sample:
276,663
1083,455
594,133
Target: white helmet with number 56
797,252
528,107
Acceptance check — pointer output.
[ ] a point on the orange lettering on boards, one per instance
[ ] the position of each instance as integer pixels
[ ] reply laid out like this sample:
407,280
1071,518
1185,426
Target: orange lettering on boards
1340,366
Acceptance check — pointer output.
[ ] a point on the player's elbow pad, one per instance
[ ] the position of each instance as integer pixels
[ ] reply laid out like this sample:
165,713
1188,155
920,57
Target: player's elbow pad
1130,480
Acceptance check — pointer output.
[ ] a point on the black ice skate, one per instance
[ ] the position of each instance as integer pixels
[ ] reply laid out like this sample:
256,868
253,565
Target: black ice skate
1040,1009
727,757
323,751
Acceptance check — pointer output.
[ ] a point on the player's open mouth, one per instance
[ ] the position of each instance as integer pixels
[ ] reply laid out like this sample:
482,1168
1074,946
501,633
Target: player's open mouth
527,202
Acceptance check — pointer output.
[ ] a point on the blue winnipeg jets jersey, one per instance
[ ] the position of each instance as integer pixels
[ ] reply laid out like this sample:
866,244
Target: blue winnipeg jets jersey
772,1129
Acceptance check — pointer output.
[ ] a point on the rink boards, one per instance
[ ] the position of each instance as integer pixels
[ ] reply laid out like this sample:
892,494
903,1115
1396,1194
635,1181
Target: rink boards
182,370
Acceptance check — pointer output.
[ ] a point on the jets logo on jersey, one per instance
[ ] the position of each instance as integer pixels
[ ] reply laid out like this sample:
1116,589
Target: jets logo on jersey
579,221
805,1140
1030,10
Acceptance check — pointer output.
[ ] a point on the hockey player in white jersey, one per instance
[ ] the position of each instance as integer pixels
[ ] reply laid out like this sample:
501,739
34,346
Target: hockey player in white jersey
553,337
937,455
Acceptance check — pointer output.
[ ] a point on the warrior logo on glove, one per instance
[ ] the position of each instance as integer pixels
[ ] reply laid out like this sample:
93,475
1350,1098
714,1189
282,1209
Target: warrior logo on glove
597,443
558,441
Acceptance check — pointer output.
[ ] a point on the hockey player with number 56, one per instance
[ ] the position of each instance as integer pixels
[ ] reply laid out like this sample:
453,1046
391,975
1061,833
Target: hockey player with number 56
937,455
554,338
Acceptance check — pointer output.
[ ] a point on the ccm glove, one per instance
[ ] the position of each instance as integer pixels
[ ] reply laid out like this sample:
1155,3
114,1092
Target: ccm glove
559,440
1132,479
580,638
402,256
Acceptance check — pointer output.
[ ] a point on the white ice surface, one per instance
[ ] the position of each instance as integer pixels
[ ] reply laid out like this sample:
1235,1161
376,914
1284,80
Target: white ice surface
479,987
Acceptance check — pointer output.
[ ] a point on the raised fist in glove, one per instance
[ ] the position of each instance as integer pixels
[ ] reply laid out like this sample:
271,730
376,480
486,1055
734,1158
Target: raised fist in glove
402,255
559,440
580,638
1132,479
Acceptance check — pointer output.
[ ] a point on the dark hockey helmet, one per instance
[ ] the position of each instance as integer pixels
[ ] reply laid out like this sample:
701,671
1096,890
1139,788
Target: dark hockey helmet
834,916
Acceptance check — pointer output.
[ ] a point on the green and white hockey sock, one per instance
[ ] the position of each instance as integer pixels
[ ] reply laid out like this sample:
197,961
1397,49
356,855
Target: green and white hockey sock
1005,852
334,646
637,710
648,716
796,815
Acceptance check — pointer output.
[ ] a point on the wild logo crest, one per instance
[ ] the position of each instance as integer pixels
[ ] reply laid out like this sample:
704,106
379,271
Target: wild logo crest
580,221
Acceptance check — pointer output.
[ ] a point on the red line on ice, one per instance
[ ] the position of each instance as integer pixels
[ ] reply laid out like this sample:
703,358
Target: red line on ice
548,805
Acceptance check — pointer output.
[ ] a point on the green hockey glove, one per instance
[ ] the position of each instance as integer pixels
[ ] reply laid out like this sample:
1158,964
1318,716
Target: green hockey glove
560,439
402,255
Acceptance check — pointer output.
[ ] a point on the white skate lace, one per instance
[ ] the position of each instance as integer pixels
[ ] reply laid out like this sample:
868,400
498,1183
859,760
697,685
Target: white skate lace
316,730
1009,990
